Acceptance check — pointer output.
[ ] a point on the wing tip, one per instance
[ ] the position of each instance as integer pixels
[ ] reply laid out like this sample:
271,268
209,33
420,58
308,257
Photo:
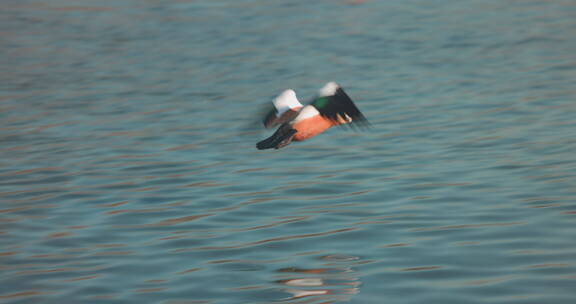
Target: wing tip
329,89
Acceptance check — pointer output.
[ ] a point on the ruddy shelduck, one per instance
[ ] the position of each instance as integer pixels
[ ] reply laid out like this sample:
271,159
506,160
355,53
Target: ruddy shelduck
332,107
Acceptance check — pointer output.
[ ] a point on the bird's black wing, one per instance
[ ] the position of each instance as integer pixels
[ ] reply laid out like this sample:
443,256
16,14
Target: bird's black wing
340,108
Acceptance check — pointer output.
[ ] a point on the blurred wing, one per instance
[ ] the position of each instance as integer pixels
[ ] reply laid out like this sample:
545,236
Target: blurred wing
270,117
252,124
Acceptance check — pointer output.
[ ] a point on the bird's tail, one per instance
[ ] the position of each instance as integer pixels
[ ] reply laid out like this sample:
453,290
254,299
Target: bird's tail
282,137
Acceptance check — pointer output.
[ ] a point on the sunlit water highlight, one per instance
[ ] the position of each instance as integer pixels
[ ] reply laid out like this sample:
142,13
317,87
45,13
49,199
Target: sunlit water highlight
128,172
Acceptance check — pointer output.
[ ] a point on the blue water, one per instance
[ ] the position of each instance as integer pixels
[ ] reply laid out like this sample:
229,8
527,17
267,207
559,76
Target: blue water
128,172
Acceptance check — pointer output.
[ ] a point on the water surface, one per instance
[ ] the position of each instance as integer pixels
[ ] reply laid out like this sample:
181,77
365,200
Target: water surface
128,172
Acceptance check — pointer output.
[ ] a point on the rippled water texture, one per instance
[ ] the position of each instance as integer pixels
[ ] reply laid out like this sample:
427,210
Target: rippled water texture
128,172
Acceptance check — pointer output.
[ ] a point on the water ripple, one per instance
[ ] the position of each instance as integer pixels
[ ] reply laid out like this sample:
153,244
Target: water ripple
128,172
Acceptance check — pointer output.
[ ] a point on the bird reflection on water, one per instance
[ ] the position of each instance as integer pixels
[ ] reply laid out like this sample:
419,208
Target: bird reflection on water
335,283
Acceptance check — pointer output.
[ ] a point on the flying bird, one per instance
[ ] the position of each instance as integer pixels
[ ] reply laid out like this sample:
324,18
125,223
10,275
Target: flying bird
332,107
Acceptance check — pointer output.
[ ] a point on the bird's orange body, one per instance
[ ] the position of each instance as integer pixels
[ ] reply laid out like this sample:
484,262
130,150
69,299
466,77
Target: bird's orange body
311,127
